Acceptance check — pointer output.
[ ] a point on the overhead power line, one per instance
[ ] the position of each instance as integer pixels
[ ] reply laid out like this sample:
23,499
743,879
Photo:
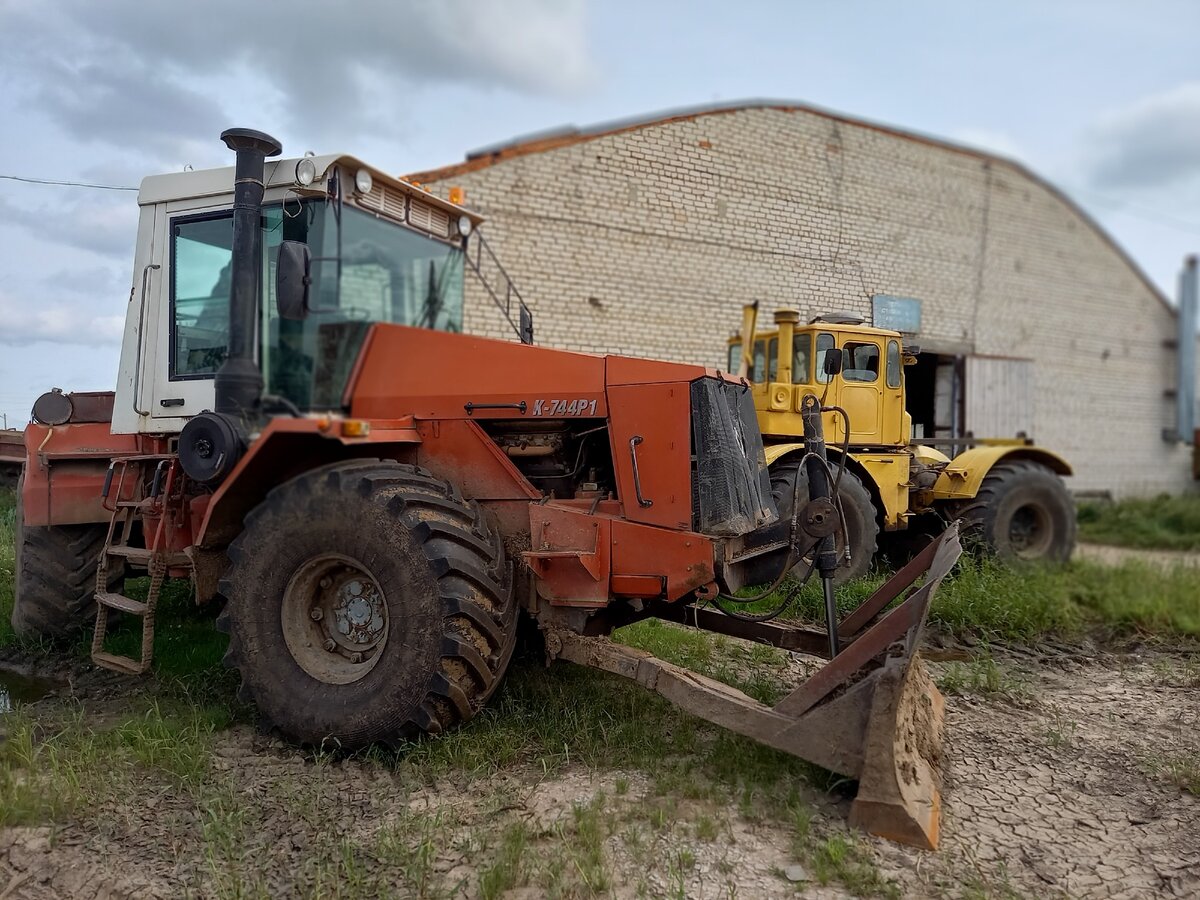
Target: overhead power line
82,184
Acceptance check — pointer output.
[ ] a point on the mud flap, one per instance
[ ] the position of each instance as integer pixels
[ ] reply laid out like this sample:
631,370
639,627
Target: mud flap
871,713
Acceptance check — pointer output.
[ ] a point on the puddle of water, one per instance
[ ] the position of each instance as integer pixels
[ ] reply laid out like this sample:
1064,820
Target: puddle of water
16,689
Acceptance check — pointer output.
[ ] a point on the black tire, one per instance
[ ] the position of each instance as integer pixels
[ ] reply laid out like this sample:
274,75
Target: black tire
788,479
55,583
427,564
1023,512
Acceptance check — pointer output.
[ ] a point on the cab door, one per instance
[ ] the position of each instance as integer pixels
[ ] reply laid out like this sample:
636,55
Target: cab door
193,311
861,389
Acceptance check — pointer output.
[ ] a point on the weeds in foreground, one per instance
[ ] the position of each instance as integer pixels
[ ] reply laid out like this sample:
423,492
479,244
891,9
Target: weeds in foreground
1181,769
982,676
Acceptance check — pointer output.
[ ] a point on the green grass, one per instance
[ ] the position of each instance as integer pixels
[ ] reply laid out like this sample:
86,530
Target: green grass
8,511
54,770
1163,522
982,676
986,600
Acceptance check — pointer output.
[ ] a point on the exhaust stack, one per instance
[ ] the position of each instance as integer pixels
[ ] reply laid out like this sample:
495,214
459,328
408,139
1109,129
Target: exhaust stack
239,381
211,443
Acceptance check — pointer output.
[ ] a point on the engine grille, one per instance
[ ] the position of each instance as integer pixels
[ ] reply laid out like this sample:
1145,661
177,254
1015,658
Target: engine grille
731,487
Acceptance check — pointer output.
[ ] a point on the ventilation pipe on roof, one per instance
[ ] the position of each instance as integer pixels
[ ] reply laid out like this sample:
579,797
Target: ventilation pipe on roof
1185,389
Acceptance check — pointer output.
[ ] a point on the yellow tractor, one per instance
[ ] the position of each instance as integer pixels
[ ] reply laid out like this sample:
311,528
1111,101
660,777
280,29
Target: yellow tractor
1008,493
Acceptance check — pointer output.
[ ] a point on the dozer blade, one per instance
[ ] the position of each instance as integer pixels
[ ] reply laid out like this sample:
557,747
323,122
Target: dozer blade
871,713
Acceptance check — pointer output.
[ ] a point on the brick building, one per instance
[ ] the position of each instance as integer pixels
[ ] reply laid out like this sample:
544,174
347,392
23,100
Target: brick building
646,237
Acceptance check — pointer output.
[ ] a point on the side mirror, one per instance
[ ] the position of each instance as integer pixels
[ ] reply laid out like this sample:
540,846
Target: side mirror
833,362
292,280
525,325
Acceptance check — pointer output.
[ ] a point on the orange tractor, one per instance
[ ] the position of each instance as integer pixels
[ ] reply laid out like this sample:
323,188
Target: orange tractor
376,499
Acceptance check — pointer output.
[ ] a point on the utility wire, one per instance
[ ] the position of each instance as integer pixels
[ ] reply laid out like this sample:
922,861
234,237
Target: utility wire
82,184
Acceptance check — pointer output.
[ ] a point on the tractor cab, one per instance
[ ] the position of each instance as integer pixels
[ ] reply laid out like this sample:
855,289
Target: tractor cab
375,249
839,360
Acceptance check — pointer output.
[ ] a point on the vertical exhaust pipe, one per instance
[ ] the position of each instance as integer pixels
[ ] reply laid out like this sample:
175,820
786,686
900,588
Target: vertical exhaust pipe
211,443
239,381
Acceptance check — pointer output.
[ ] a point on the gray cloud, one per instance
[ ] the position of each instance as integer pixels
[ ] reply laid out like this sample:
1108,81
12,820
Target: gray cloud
86,221
64,322
144,75
1150,144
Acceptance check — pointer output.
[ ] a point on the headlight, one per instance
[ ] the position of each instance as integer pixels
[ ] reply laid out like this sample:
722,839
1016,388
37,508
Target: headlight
306,171
363,181
465,225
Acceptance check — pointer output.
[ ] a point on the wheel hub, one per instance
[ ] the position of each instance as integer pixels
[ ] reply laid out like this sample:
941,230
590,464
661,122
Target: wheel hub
358,613
1029,532
335,619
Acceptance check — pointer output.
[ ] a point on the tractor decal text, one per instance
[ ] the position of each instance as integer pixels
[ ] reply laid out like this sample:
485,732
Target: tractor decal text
564,407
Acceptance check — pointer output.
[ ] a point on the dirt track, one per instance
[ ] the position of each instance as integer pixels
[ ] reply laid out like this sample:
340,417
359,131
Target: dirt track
1114,556
1052,795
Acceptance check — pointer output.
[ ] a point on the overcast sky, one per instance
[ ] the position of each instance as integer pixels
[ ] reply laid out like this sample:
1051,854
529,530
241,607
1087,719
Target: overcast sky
1102,98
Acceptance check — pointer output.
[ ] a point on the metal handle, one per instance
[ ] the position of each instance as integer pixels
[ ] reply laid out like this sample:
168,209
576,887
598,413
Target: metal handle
470,407
108,477
156,485
637,480
137,360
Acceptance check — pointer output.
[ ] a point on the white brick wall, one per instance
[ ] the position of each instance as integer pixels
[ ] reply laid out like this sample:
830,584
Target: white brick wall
648,241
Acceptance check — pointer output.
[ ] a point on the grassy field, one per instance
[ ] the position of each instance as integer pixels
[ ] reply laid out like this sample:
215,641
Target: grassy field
1160,523
72,768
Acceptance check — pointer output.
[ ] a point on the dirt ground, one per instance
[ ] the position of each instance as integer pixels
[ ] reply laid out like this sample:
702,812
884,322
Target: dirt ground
1056,791
1110,555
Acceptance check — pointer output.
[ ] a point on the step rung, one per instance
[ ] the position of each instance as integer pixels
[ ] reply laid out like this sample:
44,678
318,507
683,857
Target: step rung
130,553
116,663
121,602
141,556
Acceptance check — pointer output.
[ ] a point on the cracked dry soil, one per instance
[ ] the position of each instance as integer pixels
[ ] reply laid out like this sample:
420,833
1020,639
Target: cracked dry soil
1058,793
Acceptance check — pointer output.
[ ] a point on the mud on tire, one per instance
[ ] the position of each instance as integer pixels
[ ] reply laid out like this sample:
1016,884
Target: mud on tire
403,569
1023,511
55,582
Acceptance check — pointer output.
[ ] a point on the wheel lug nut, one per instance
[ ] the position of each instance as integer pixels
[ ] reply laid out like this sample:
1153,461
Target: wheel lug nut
326,582
316,615
330,645
355,657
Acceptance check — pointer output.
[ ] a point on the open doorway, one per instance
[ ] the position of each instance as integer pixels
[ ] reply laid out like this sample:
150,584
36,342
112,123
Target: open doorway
934,396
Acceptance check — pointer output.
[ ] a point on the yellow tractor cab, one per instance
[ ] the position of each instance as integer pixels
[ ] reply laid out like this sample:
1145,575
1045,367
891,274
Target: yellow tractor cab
1008,492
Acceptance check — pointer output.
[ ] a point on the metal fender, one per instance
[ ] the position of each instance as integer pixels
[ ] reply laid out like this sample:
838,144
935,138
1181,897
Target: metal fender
961,479
776,452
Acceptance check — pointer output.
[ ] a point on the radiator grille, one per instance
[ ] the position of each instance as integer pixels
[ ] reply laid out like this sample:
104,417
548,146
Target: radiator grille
732,487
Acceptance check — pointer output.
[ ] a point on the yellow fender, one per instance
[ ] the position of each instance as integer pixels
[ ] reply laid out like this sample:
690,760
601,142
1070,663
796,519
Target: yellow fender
778,451
961,479
886,477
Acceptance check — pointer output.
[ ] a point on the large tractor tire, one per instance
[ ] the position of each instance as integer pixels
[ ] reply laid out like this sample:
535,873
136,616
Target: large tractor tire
788,479
55,584
1023,512
367,602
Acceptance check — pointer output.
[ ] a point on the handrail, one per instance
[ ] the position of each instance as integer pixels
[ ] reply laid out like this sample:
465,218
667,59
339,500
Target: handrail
524,324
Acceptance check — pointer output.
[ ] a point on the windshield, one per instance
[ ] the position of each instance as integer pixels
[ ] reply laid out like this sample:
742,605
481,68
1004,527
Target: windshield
388,274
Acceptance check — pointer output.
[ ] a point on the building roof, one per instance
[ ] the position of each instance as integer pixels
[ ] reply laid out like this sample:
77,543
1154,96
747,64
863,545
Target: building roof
568,135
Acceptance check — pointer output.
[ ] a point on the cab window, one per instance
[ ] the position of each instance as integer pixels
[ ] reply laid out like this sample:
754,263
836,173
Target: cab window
773,359
201,265
825,345
802,359
861,362
735,357
758,373
893,364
